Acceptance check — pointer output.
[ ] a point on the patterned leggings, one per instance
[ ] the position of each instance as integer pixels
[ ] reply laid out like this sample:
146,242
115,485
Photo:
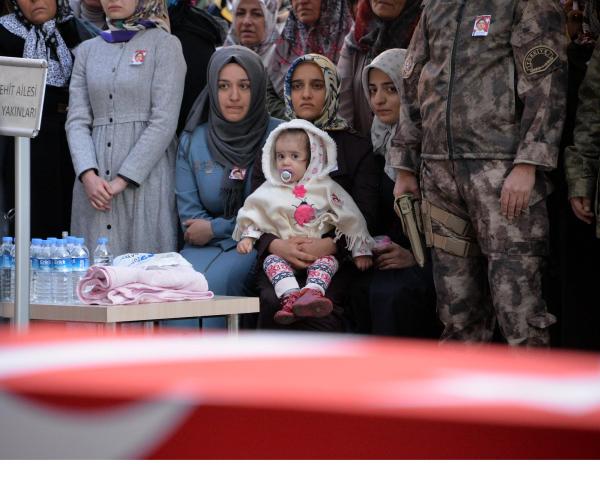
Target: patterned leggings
281,274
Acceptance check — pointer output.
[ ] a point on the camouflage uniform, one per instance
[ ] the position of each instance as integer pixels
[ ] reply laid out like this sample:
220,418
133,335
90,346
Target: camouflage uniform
472,106
582,161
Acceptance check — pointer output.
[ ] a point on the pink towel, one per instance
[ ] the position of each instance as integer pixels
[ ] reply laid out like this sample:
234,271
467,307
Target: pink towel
126,285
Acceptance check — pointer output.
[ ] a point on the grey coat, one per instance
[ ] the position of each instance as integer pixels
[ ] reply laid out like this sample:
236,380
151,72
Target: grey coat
122,120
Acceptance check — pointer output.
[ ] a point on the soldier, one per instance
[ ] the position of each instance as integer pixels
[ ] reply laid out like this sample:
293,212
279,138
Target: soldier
582,160
582,166
480,123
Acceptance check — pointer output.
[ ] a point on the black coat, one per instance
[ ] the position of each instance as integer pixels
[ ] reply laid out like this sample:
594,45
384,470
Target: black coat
52,172
199,34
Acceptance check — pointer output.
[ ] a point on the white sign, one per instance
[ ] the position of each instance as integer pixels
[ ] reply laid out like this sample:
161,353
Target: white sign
22,88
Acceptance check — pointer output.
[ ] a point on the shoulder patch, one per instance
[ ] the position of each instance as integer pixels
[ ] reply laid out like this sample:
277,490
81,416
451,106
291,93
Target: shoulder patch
539,59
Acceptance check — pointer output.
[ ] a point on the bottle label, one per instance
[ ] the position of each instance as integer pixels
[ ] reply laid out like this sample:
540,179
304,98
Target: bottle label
61,264
35,263
45,264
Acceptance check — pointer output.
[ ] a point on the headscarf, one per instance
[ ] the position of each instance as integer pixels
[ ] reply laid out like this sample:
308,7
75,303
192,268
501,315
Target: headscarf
232,144
373,35
44,41
391,63
329,119
266,47
147,14
313,206
325,37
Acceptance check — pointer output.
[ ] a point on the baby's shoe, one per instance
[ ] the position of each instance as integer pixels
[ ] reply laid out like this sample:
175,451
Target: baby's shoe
312,303
286,315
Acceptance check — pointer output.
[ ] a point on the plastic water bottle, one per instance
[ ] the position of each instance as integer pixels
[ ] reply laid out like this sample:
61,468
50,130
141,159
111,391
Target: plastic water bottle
61,274
43,284
34,254
7,269
102,255
80,262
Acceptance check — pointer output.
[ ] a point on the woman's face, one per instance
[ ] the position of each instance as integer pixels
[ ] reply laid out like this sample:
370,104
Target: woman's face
387,9
384,97
37,11
249,23
308,91
234,92
119,9
307,11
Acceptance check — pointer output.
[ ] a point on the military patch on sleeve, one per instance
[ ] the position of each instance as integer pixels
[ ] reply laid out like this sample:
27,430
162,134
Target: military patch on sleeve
539,59
409,65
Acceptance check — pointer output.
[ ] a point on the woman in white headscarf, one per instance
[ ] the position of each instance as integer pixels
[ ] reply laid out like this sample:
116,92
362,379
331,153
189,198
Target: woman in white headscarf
254,26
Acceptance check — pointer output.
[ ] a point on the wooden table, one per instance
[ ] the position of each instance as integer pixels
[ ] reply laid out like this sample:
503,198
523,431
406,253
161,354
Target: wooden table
148,313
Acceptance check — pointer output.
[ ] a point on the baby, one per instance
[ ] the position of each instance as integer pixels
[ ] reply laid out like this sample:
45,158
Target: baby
299,199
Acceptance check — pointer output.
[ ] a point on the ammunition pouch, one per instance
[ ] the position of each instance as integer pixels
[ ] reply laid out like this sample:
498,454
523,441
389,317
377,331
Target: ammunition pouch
464,245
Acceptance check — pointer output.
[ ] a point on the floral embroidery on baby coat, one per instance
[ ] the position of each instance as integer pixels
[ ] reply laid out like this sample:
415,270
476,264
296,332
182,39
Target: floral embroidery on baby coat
299,191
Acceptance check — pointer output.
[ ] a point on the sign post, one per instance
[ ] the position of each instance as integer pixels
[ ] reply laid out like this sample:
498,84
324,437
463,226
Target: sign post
22,89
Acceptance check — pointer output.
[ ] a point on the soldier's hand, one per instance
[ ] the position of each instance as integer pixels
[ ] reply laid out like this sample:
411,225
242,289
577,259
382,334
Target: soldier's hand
516,191
582,207
406,182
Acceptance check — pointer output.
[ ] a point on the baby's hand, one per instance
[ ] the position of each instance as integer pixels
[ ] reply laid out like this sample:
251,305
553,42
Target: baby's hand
245,245
363,262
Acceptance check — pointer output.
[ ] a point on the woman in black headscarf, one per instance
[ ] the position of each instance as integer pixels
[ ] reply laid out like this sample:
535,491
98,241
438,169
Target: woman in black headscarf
227,128
45,29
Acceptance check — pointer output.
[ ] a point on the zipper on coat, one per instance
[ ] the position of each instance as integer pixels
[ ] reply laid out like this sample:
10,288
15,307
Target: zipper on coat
449,139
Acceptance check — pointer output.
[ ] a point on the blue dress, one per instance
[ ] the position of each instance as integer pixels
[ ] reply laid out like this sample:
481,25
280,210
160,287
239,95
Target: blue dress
198,190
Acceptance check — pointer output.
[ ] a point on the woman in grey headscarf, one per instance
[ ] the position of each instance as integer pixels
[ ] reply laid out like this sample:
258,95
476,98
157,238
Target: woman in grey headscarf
400,298
227,127
254,26
384,99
